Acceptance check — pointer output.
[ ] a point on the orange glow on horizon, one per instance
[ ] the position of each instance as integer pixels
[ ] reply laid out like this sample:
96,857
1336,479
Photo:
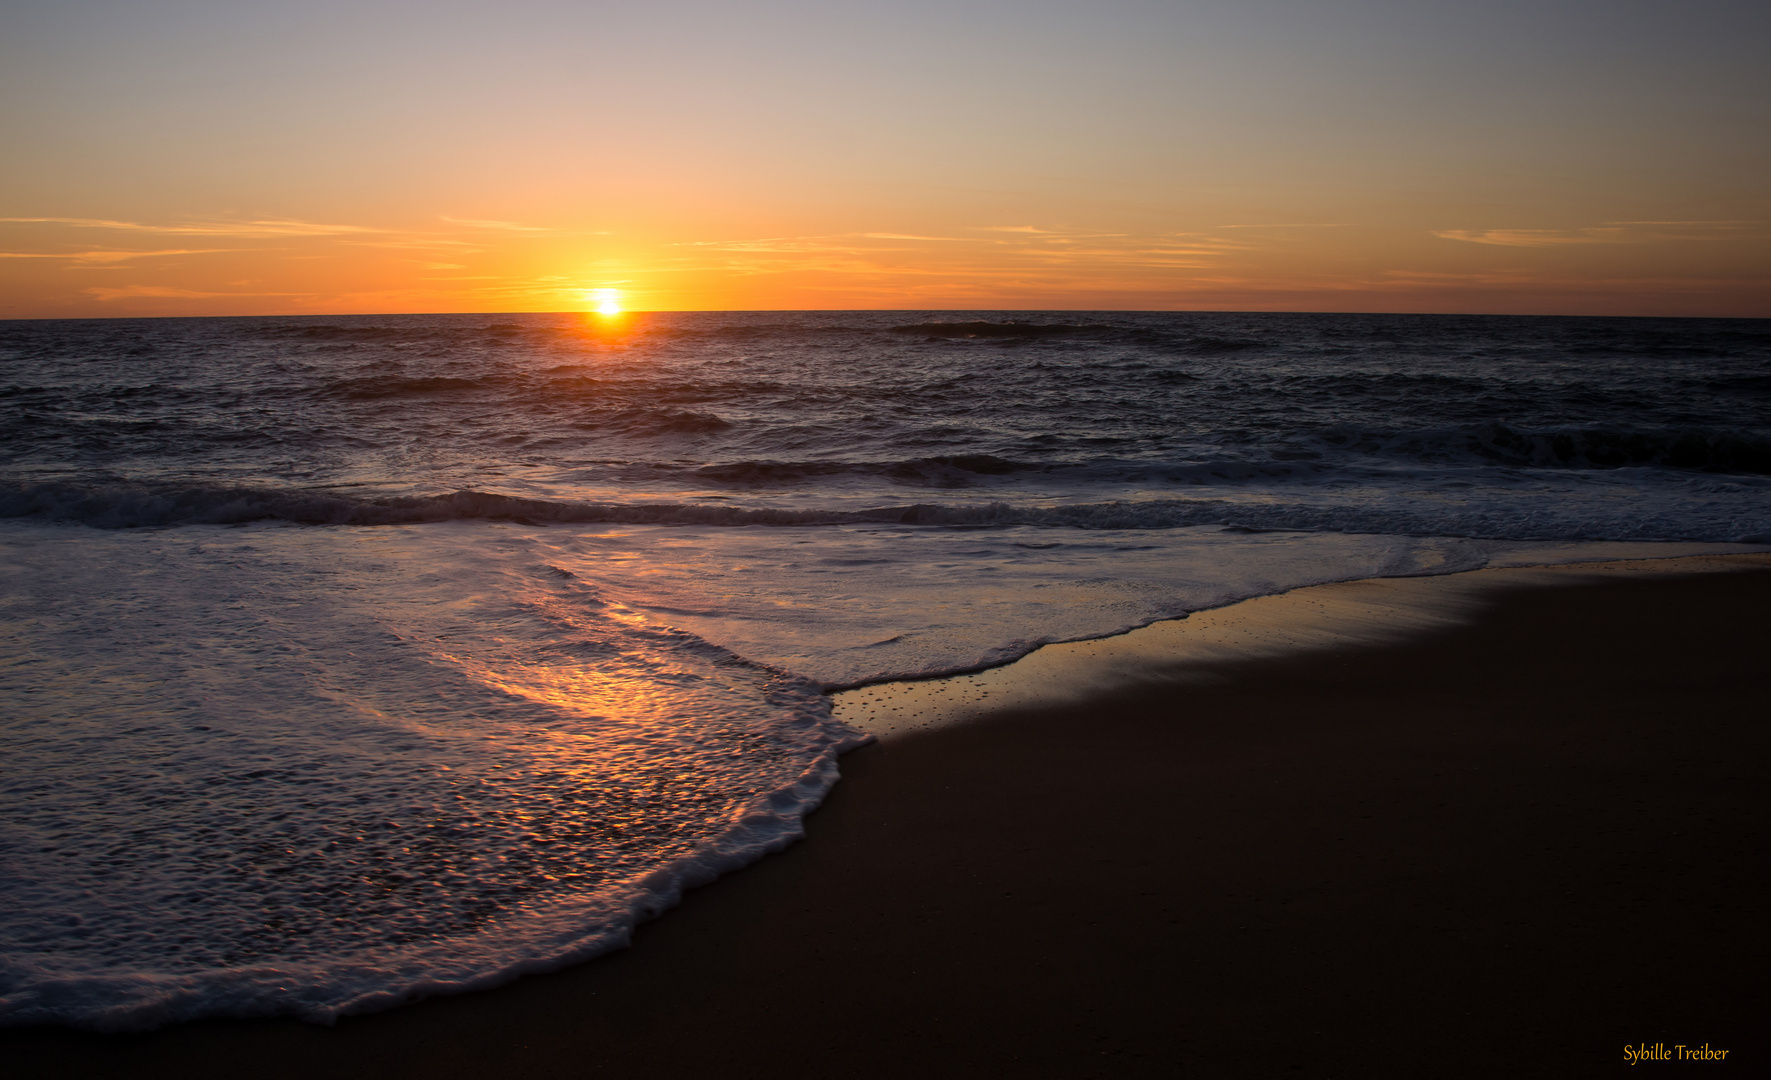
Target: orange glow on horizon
80,267
895,156
607,301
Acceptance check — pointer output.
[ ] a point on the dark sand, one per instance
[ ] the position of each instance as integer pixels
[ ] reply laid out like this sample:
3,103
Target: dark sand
1509,848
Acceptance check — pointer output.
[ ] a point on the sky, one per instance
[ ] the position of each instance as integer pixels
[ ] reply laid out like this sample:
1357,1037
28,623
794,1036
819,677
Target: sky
200,157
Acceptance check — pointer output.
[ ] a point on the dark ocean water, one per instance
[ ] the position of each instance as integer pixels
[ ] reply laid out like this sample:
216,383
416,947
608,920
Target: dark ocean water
352,659
1322,419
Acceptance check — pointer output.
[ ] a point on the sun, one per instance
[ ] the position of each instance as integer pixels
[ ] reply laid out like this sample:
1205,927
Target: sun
607,301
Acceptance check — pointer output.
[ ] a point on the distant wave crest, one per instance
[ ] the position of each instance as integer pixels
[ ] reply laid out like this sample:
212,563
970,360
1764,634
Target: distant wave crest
1573,447
986,329
126,506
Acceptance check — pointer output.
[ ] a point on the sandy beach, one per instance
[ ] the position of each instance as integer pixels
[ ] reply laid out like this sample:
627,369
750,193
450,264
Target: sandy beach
1512,842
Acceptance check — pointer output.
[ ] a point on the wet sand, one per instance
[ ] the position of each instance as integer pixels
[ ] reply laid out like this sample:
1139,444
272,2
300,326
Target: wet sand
1506,846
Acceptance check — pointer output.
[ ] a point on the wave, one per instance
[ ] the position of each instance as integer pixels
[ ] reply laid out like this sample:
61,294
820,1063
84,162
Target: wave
986,329
400,333
129,506
550,936
394,387
514,800
1698,449
1163,341
941,470
653,422
333,332
1300,454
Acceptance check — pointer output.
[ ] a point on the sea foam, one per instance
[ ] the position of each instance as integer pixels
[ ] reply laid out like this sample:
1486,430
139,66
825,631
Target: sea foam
310,773
353,659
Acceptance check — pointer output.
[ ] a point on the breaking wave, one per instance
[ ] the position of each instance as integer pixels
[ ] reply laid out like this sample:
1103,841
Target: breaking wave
126,506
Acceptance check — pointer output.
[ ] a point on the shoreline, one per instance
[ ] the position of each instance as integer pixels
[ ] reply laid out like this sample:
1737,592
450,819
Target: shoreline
1517,835
1355,614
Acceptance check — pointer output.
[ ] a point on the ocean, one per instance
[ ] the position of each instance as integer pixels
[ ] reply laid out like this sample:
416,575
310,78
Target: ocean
349,660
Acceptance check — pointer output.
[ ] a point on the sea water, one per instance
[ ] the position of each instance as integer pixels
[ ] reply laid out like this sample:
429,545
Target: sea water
348,660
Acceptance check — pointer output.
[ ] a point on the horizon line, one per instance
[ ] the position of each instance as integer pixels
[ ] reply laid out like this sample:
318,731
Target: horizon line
835,310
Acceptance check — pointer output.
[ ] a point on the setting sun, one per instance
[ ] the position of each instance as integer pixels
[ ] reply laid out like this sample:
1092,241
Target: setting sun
453,619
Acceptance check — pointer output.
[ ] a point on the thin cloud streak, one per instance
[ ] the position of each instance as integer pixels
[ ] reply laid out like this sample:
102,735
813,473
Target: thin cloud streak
907,236
111,256
1610,232
167,292
1534,237
498,226
242,229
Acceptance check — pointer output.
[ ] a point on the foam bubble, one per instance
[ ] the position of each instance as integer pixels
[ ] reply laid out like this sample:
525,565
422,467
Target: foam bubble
314,772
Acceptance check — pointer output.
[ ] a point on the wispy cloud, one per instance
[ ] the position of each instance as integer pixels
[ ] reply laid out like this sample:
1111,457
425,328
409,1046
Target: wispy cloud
985,256
167,292
1536,237
243,229
1391,279
419,243
1708,224
1527,283
106,257
499,226
1608,232
129,292
276,228
91,223
776,244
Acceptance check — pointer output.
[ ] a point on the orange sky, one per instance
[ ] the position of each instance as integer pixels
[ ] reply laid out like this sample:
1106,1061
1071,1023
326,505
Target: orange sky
188,158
